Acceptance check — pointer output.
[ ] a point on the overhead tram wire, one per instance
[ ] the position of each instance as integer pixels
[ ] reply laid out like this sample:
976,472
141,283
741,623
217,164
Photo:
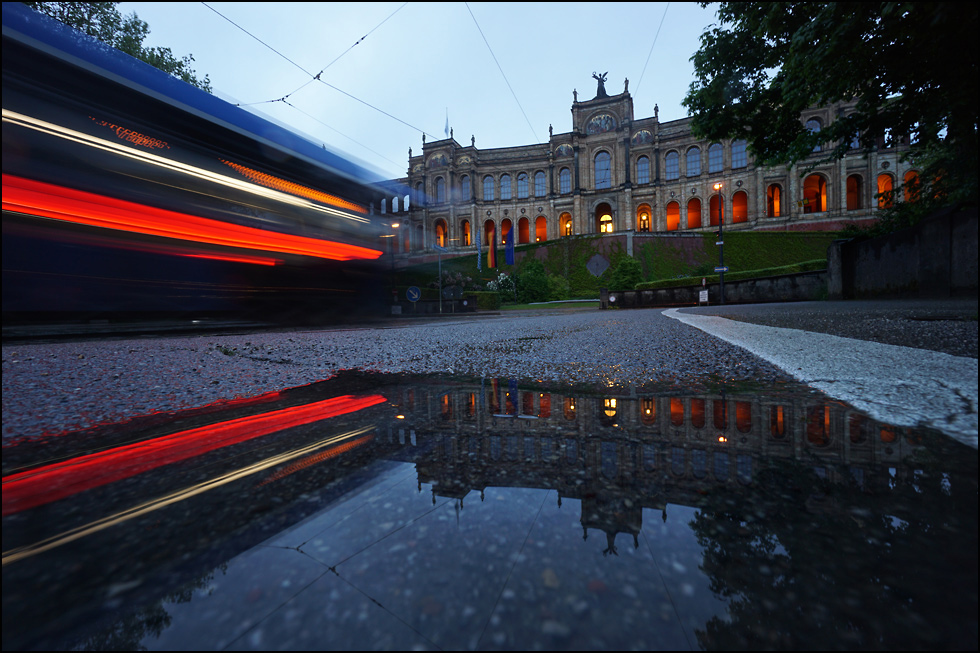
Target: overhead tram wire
655,36
501,71
317,77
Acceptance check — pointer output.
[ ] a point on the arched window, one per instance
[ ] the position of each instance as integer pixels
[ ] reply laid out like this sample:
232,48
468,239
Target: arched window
774,201
419,194
643,217
720,409
910,186
394,204
603,170
565,222
885,186
854,193
672,168
523,231
441,233
488,186
464,230
693,162
540,187
505,192
464,188
440,190
813,126
522,186
643,170
697,413
488,230
673,216
715,158
564,181
818,425
715,209
743,416
740,158
541,229
740,206
814,194
384,205
677,411
694,213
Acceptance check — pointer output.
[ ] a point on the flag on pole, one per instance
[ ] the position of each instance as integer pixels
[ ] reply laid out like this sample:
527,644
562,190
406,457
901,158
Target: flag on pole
509,247
492,251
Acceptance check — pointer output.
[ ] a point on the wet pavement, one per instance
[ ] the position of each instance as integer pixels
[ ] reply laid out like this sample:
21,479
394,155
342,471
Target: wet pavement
379,511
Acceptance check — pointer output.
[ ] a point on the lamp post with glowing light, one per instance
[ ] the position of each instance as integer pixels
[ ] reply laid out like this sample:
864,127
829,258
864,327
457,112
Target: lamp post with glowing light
721,242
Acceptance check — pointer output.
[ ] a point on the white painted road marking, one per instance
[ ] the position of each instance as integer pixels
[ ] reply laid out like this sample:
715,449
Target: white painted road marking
902,386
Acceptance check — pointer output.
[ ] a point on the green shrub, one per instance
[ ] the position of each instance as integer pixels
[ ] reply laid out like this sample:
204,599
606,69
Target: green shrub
627,273
485,301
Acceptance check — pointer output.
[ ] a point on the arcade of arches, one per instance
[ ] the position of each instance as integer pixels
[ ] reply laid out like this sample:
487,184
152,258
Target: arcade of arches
613,172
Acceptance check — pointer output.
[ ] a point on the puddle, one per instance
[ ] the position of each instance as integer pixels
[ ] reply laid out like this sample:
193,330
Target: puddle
380,512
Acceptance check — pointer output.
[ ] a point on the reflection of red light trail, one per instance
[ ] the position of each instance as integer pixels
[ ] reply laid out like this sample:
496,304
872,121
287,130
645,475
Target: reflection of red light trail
46,200
52,482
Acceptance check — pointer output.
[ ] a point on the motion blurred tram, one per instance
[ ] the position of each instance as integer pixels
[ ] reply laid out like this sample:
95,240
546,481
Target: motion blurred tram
131,195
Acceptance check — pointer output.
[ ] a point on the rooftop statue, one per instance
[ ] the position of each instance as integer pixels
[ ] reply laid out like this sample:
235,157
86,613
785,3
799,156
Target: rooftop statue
601,92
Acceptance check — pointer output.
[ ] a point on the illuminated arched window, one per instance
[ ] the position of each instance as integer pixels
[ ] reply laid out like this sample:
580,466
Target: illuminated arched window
643,217
774,201
814,194
715,209
743,416
777,421
715,158
541,229
523,231
677,411
488,187
565,222
440,190
697,413
854,193
673,216
568,408
693,213
603,170
740,207
693,162
540,187
522,186
505,191
910,186
565,181
441,233
885,187
672,168
818,426
643,170
648,410
720,408
464,229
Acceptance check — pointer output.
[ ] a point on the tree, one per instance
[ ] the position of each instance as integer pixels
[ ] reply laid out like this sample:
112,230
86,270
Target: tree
905,68
103,21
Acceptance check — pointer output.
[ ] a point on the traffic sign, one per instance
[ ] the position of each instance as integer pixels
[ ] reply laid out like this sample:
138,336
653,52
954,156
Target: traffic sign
413,294
722,269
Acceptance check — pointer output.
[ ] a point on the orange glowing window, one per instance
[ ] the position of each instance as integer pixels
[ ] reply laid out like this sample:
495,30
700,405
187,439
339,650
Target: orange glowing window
697,413
133,137
676,411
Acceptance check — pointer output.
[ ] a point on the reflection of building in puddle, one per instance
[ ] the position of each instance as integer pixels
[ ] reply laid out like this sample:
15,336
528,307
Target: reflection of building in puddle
620,454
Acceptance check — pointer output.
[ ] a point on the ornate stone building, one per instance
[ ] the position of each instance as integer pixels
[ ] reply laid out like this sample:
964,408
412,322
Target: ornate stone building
613,173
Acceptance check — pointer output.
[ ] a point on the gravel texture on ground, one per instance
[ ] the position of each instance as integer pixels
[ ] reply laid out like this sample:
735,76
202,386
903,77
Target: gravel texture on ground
945,325
54,388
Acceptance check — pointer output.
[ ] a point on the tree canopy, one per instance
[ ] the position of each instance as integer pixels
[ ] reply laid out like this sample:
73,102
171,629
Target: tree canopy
905,68
103,21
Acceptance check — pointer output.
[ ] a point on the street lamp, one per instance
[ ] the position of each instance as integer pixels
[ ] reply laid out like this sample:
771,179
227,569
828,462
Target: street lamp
721,241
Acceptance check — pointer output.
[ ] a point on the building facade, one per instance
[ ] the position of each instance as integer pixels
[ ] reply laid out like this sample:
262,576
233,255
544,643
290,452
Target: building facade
612,172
